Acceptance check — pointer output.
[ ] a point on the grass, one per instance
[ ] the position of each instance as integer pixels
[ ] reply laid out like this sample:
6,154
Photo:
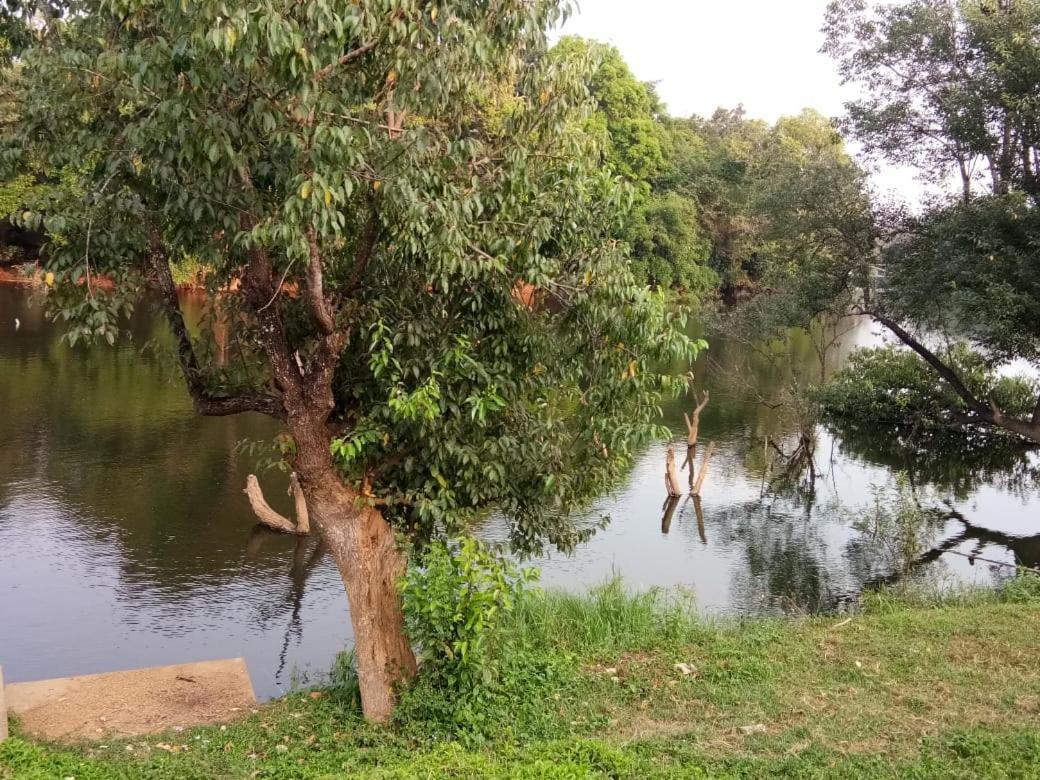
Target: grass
911,687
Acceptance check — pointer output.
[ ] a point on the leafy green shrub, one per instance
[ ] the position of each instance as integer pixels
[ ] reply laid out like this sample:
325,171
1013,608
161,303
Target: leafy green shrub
1023,588
474,680
454,605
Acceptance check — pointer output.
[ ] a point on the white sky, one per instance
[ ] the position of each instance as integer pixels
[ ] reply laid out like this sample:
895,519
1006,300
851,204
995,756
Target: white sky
703,54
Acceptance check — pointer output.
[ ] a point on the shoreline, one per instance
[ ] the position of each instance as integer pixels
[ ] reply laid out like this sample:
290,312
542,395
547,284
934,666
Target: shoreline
616,685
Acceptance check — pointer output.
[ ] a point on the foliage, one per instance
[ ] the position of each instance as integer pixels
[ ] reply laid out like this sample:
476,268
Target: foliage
455,602
949,86
188,272
971,269
23,20
726,194
626,112
781,206
904,674
668,249
1023,588
895,389
232,133
952,86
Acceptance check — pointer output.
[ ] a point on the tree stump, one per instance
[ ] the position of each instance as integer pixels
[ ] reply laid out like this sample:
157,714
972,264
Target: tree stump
671,474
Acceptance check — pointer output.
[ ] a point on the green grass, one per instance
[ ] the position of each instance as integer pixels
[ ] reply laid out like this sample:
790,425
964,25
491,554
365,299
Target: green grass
911,687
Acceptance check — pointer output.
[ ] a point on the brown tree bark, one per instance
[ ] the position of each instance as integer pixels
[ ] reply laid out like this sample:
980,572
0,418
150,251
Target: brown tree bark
300,392
366,554
699,483
671,474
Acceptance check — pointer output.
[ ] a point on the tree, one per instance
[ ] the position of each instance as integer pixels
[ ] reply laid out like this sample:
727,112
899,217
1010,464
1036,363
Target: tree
955,83
948,84
627,112
370,185
806,235
668,248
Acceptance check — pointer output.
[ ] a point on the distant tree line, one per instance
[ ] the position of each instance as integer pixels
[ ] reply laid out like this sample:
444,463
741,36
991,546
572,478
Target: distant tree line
724,203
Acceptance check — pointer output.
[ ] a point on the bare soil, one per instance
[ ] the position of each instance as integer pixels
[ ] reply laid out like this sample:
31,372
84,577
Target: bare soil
143,701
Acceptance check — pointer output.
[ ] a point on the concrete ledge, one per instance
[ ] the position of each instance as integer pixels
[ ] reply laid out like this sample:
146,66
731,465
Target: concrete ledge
142,701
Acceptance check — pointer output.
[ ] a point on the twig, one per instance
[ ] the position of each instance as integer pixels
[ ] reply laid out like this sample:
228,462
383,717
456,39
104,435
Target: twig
1005,564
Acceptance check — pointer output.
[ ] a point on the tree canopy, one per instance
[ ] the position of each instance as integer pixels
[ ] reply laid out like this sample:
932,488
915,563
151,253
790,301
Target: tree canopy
409,242
954,86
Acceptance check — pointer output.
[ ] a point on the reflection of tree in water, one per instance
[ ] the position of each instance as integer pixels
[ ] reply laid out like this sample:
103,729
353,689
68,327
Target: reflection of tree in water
306,557
958,467
1025,551
102,432
786,560
671,503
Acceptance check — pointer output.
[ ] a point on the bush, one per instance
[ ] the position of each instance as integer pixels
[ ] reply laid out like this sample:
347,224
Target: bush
454,605
896,388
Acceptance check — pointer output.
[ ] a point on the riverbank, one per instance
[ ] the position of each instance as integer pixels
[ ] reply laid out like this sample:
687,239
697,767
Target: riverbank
608,685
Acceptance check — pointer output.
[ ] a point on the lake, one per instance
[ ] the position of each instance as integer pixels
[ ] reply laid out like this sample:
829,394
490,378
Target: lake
126,540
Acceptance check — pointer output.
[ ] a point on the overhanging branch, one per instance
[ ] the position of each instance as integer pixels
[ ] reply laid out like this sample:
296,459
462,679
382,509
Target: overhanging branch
948,374
205,402
988,412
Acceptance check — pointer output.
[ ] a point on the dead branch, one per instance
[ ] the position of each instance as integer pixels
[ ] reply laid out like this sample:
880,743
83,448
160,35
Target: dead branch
696,490
671,474
272,519
693,421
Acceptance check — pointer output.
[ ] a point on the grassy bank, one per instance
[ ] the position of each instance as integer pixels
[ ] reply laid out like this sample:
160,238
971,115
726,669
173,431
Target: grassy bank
591,688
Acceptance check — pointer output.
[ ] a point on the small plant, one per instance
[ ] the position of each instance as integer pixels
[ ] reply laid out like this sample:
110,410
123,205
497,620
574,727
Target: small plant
1023,588
899,523
455,601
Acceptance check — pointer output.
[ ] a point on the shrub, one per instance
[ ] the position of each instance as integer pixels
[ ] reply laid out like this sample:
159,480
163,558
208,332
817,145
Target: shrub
896,388
454,603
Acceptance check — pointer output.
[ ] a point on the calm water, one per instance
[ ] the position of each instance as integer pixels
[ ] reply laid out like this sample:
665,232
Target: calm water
126,541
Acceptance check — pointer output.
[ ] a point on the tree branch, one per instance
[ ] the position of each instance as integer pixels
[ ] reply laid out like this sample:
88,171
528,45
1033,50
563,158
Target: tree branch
929,357
316,286
205,403
272,519
988,413
360,51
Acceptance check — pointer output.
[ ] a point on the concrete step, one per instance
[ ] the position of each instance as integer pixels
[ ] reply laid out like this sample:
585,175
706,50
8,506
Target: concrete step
131,703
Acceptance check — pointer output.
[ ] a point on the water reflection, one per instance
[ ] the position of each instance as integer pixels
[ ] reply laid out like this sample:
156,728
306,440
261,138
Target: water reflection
125,539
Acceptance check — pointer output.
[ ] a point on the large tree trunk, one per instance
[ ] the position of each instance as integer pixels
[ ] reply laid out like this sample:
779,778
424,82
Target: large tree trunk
363,546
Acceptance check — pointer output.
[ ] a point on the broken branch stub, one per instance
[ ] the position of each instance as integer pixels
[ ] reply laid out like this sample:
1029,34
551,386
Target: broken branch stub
272,519
671,474
704,469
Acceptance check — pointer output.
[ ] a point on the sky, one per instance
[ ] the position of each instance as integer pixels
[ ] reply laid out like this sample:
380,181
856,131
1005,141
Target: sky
702,54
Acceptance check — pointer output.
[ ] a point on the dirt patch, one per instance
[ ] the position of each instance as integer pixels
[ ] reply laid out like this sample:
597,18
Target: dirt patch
989,653
143,701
